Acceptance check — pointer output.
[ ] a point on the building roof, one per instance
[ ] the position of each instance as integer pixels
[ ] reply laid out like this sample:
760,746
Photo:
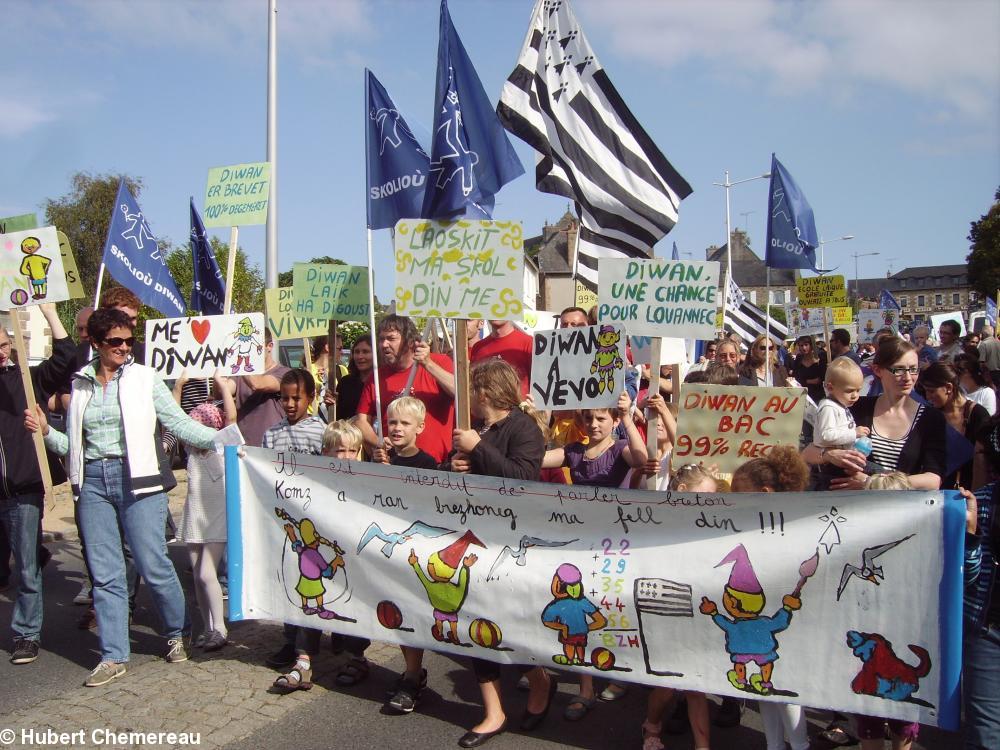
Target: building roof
748,269
958,269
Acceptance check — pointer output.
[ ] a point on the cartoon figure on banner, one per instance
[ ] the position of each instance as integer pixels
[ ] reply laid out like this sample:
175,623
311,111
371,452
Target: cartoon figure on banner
35,267
445,596
393,539
607,361
750,637
869,326
313,566
869,570
245,342
883,674
889,316
830,537
568,613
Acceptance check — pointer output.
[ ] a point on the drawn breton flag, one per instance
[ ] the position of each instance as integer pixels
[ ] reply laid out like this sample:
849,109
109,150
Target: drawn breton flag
471,155
208,289
397,165
746,319
591,148
133,258
887,302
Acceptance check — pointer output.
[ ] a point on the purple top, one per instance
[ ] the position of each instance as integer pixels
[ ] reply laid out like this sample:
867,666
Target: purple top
311,564
607,470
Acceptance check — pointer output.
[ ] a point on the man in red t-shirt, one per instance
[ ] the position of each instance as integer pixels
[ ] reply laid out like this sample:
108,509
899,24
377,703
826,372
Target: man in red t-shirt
400,349
510,344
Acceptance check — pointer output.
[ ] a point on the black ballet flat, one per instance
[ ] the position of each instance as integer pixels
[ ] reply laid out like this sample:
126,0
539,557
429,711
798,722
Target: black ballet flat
531,721
477,739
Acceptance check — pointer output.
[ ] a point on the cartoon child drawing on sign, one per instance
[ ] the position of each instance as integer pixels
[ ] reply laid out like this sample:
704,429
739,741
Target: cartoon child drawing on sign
35,267
446,597
245,342
313,567
607,361
568,613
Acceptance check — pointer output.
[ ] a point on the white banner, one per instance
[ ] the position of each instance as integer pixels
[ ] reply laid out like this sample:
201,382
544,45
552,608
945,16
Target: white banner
871,322
855,607
578,368
234,343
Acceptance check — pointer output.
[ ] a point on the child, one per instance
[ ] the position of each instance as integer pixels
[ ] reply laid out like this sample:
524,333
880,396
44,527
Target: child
666,431
687,478
203,525
300,433
834,425
406,416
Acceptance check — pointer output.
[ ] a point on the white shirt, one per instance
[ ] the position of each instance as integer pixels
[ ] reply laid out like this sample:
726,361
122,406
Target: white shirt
985,397
834,426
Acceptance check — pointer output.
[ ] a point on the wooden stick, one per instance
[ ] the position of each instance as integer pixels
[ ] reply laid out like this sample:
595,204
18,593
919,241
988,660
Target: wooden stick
234,235
463,417
29,396
332,367
652,418
826,334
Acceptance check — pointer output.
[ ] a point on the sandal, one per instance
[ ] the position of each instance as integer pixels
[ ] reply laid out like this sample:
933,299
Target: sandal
837,736
296,679
579,707
353,672
651,736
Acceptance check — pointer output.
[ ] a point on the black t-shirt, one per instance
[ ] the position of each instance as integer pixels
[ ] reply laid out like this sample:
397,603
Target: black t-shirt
419,460
801,372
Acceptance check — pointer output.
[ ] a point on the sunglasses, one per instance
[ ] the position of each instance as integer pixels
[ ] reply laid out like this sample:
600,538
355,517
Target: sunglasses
118,341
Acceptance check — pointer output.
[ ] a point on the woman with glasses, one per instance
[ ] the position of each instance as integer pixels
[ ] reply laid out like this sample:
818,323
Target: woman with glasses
762,358
906,435
809,367
120,478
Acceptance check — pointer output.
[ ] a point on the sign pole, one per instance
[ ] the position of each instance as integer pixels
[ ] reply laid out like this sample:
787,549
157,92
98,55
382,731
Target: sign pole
652,418
234,235
29,397
463,417
332,367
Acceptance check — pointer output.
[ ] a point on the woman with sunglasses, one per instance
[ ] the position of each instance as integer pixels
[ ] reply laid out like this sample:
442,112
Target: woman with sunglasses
119,477
760,359
906,435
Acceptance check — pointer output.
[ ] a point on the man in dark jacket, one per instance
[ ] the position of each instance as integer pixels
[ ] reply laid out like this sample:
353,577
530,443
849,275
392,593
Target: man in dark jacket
21,488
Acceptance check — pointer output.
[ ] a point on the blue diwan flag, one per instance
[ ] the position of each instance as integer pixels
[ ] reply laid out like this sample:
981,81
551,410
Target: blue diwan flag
208,292
471,156
991,312
397,165
133,258
674,255
791,228
887,302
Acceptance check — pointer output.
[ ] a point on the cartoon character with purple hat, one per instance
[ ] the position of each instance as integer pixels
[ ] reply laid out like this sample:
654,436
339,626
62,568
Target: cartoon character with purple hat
750,637
568,613
607,360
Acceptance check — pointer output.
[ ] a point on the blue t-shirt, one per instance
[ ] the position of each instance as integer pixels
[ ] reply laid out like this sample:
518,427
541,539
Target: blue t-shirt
570,612
754,636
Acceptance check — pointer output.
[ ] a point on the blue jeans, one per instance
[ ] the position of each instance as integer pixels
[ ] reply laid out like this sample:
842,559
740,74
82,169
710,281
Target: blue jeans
21,516
106,500
981,689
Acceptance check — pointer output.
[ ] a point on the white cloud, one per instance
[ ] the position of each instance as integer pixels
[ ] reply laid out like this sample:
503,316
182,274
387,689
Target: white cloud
21,116
942,51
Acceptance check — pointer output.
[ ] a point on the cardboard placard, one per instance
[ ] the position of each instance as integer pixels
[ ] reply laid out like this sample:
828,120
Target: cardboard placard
807,321
656,297
282,320
200,345
821,291
672,351
31,268
460,269
237,195
585,297
728,425
871,322
328,291
842,316
939,318
18,223
578,368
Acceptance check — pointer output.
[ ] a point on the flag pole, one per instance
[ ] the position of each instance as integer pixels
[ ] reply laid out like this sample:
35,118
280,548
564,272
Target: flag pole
768,376
271,247
371,281
100,280
234,236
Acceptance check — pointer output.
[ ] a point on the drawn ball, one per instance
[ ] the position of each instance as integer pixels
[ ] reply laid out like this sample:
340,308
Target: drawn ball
485,633
389,615
18,297
602,658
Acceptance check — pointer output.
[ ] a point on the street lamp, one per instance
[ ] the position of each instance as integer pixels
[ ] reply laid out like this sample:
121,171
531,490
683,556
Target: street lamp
729,236
857,297
827,242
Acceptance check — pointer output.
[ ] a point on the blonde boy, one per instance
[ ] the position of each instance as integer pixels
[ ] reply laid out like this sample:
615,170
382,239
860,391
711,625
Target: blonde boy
834,426
405,417
341,439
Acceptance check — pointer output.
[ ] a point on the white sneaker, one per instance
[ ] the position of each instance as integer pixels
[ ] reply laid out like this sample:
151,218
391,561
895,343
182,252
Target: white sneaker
104,673
176,652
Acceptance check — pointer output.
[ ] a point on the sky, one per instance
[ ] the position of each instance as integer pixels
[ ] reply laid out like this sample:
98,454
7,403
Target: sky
886,112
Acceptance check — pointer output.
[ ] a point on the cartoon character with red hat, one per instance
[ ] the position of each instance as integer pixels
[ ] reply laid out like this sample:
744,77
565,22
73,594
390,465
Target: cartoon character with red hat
750,637
568,613
445,596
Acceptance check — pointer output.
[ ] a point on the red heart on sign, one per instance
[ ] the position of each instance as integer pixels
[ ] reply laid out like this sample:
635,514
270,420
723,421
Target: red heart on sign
200,329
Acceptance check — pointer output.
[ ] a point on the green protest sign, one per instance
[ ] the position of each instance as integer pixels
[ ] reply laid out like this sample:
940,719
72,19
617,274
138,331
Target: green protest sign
283,321
328,291
18,223
237,195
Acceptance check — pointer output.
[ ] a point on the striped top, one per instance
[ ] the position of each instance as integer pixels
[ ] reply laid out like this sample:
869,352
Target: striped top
305,436
886,451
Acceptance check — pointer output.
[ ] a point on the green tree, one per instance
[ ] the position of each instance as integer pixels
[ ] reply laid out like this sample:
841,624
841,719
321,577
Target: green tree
984,253
248,291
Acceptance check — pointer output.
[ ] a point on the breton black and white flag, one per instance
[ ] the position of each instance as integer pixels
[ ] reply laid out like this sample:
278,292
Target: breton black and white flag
591,148
746,319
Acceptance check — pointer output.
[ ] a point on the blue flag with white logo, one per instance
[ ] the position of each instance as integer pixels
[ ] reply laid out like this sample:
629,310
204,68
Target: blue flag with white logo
791,227
397,165
208,292
991,312
471,156
887,302
133,258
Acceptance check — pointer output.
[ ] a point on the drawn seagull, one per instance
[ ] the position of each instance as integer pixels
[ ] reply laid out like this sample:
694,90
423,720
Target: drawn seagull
392,538
869,571
521,553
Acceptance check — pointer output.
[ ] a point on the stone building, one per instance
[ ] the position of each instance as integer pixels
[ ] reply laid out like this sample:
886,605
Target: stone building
923,291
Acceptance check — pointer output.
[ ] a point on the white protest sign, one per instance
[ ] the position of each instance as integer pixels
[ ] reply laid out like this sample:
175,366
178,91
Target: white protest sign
672,351
871,322
659,297
807,321
31,268
234,343
939,318
578,368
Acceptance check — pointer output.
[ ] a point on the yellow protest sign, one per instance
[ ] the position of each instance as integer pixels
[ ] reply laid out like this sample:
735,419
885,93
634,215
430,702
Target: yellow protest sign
585,297
822,291
843,316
